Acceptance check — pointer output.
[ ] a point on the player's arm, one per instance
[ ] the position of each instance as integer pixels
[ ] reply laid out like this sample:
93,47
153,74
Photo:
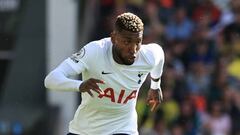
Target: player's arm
155,95
59,78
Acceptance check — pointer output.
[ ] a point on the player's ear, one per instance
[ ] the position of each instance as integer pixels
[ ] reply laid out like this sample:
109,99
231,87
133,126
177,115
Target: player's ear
113,37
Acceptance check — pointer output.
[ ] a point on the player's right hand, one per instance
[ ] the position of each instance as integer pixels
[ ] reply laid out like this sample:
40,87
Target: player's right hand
91,85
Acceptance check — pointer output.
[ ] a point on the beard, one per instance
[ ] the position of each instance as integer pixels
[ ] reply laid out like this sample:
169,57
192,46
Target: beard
120,59
128,62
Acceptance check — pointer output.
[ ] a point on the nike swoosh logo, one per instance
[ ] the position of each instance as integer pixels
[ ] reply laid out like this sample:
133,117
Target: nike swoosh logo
105,73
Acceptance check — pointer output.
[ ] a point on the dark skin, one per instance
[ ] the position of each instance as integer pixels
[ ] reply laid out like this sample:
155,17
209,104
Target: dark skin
126,45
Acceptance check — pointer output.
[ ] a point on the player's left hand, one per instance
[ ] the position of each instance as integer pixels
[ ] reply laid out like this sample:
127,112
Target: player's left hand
155,97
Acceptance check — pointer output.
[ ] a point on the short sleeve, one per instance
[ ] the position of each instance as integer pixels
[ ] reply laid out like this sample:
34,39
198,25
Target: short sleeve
158,58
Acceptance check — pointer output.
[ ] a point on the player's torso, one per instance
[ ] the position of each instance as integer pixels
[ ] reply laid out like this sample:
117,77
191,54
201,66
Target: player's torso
121,82
113,111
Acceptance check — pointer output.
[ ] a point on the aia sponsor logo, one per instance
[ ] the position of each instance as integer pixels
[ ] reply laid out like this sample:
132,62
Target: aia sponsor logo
121,99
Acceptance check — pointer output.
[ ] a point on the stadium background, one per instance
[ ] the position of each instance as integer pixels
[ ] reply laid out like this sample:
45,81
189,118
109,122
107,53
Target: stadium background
201,75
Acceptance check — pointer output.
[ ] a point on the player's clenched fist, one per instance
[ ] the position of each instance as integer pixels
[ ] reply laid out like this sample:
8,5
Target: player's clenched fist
91,84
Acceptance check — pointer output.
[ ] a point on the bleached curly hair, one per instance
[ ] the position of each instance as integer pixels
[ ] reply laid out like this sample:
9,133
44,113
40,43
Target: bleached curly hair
130,22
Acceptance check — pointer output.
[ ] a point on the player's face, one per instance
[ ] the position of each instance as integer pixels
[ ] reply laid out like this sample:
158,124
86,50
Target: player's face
126,45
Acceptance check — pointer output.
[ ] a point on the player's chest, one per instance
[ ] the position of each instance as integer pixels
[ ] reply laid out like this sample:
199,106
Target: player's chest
121,86
131,78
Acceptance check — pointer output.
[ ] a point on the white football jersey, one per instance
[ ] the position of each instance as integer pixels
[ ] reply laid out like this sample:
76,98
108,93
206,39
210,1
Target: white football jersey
114,111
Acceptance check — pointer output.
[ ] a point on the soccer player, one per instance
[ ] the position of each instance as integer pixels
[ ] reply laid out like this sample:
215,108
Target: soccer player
113,70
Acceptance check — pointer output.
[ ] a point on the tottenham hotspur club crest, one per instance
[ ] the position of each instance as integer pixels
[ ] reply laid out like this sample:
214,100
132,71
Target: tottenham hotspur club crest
139,75
77,56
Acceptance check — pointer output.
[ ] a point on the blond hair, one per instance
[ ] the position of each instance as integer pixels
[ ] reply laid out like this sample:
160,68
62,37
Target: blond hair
130,22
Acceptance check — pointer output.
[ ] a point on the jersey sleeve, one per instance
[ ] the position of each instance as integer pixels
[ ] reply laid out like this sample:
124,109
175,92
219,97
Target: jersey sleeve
59,78
84,57
158,60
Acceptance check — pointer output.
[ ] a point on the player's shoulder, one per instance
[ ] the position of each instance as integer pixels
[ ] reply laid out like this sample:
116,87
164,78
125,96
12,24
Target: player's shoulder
152,52
151,48
94,48
90,51
97,44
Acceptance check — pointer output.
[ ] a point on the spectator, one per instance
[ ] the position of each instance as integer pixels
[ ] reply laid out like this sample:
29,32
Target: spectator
159,126
205,10
188,117
197,78
180,27
217,122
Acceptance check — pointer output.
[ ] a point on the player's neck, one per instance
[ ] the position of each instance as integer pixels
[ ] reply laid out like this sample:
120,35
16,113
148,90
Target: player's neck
115,55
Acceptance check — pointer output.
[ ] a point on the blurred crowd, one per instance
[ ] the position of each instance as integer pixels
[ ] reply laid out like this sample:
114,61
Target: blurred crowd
201,78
